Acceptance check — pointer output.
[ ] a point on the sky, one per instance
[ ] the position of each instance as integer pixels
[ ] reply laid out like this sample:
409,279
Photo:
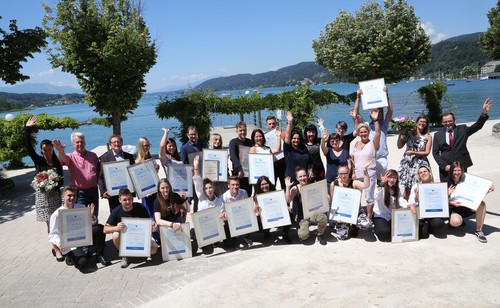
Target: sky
199,39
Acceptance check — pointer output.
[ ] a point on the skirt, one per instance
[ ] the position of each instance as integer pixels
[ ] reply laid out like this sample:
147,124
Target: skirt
46,203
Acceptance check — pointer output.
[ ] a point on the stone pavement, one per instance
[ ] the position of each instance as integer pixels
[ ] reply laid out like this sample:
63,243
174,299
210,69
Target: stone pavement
448,269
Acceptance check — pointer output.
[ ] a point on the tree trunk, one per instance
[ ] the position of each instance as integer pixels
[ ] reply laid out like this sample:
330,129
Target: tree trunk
117,120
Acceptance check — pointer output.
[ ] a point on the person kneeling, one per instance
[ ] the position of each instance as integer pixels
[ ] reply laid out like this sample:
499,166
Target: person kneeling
127,208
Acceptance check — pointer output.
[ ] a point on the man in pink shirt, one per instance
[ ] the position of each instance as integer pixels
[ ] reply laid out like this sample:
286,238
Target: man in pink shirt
84,168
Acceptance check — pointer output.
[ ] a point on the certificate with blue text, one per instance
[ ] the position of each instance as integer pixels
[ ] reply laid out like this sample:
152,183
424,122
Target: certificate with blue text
345,205
373,94
471,191
272,142
144,177
208,227
75,227
241,217
314,198
175,245
221,157
433,200
116,176
135,240
273,209
404,226
180,177
260,165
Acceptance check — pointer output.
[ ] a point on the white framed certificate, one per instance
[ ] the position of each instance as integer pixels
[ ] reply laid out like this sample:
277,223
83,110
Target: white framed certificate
314,198
180,177
241,217
272,141
471,191
75,227
433,200
243,152
373,94
211,170
404,226
274,211
221,157
208,227
175,245
144,177
345,205
259,165
135,240
116,176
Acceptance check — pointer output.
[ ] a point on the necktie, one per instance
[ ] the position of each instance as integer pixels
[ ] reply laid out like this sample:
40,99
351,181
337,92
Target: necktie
450,137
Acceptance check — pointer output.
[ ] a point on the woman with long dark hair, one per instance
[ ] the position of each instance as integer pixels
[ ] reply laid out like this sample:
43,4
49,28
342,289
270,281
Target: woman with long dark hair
169,207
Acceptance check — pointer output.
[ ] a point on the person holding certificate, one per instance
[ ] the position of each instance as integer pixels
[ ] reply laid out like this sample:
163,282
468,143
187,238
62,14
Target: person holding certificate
144,154
234,152
344,230
292,193
387,198
459,212
115,226
336,155
260,143
427,225
263,185
170,208
79,257
364,151
234,193
168,150
296,153
115,153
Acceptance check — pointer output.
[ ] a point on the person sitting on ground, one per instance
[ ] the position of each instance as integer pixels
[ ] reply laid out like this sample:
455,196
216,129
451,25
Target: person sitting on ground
426,225
79,257
263,185
292,193
387,198
234,193
457,211
170,207
127,208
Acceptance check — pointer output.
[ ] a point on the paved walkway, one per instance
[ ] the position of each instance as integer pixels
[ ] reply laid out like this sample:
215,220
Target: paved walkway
449,269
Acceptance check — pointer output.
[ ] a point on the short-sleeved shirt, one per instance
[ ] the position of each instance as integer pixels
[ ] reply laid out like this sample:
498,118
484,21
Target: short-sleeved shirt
83,169
138,211
170,213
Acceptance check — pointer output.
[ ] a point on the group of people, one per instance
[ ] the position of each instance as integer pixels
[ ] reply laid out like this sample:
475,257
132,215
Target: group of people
362,165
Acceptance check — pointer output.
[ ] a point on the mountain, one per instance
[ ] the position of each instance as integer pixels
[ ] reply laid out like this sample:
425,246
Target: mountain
304,72
39,88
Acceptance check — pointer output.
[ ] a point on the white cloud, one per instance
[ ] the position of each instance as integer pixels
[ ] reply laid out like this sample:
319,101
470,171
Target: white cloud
48,73
188,78
433,34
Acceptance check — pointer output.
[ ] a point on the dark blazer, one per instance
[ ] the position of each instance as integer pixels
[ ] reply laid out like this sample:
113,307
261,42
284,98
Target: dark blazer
445,155
107,157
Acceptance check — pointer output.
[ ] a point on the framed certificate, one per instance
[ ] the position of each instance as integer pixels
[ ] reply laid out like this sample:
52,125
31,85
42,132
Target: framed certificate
471,191
345,205
243,157
404,226
144,177
209,228
272,141
181,178
314,198
274,211
221,157
75,227
241,217
433,200
176,245
191,157
116,176
211,170
135,240
373,94
259,165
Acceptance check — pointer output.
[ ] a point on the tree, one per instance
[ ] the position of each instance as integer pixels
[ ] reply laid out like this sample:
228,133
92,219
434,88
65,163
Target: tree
433,94
468,71
374,43
16,47
490,40
107,46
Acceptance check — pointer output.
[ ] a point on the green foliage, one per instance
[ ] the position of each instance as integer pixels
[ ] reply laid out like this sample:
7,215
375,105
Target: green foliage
490,40
377,42
16,47
12,147
194,108
432,95
468,71
107,46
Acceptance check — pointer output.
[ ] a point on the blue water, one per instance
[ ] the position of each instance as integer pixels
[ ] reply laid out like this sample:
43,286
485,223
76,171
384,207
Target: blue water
466,98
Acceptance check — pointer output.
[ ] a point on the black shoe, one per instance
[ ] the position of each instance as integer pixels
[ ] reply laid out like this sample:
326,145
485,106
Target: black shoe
321,239
207,250
287,239
69,259
267,234
102,259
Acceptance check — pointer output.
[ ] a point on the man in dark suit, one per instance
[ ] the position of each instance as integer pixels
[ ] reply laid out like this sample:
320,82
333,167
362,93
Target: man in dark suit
115,153
450,143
